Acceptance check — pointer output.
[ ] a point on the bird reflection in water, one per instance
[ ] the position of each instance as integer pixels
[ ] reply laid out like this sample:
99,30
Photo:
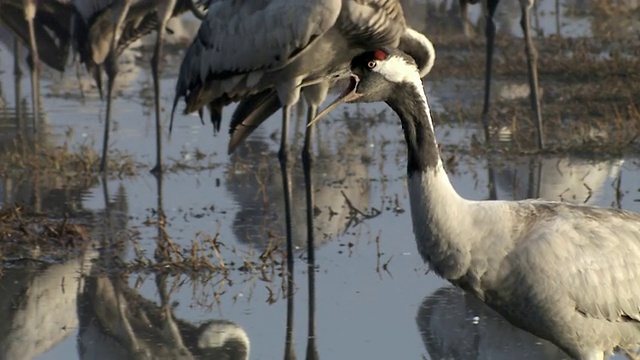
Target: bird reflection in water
38,308
340,172
562,178
455,325
117,322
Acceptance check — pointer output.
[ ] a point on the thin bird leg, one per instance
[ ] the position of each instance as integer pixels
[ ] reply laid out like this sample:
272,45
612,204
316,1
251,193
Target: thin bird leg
30,14
532,59
112,72
490,32
17,73
283,156
307,160
79,77
165,10
464,14
312,351
558,18
111,67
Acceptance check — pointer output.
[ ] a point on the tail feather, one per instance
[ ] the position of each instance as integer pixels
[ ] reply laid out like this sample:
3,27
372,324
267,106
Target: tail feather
250,113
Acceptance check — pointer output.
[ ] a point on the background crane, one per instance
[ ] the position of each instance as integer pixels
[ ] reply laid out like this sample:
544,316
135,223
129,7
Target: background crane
489,7
105,28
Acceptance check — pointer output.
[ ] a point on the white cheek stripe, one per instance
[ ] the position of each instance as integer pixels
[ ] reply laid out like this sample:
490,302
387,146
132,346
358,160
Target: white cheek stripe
395,69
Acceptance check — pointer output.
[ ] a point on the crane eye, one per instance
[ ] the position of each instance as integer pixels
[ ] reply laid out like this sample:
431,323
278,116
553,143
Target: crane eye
371,64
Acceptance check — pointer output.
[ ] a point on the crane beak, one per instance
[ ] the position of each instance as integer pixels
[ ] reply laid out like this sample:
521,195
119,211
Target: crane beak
332,78
348,95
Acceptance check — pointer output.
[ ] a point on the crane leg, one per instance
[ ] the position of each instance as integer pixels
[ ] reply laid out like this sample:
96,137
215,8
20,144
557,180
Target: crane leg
307,161
30,14
112,72
155,70
490,32
532,59
17,72
283,156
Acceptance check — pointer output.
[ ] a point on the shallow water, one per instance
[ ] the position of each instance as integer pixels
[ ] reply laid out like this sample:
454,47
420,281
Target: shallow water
372,296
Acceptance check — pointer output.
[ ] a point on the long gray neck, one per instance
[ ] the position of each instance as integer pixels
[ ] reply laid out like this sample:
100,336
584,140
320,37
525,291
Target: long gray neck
412,108
441,218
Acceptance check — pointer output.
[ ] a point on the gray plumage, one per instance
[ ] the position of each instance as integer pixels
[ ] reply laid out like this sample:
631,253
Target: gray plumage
245,48
567,273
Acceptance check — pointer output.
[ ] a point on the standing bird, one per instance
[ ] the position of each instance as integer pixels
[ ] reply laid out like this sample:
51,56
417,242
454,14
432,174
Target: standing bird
267,52
566,273
281,47
254,110
104,28
532,60
44,22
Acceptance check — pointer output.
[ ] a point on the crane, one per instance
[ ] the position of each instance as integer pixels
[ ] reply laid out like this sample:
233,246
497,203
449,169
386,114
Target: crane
532,59
282,47
566,273
254,110
267,52
104,28
40,22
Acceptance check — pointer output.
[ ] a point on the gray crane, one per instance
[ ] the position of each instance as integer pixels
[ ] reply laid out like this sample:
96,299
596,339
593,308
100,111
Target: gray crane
269,51
106,27
489,6
41,22
254,110
261,48
566,273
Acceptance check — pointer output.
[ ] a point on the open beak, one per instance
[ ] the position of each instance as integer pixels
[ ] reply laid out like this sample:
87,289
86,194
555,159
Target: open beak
332,78
348,95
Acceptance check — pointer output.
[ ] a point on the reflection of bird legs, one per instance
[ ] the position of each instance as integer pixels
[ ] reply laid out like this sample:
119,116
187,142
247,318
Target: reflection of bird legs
170,331
124,319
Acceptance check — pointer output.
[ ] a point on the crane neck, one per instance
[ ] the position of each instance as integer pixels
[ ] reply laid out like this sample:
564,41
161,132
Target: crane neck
412,107
441,217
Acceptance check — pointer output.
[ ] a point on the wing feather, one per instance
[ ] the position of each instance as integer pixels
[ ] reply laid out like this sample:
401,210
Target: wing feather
597,251
241,37
372,23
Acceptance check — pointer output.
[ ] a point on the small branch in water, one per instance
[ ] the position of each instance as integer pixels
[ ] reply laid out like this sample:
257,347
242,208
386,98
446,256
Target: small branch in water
374,212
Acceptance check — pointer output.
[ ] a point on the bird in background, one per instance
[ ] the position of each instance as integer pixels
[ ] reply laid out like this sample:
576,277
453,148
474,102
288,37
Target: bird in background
566,273
20,15
103,29
489,9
